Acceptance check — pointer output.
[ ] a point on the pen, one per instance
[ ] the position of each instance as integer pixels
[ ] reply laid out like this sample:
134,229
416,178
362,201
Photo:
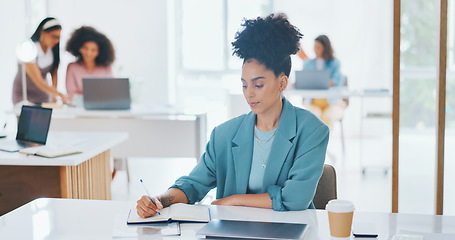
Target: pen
148,194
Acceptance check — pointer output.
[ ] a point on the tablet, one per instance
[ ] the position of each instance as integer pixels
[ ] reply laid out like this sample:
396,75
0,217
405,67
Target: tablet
252,230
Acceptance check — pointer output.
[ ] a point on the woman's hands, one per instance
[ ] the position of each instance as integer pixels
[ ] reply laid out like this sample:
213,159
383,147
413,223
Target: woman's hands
146,208
249,200
65,98
228,201
34,72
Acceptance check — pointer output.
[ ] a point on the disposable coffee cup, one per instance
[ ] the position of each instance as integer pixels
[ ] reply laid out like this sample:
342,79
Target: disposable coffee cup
340,218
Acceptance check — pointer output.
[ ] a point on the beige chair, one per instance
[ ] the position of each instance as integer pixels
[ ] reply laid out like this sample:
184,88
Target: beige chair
327,187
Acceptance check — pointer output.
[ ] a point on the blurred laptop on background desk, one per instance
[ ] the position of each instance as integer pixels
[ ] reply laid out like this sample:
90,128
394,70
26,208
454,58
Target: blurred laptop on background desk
106,93
312,79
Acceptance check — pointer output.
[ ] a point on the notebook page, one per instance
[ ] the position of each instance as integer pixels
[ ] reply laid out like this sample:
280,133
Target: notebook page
134,218
189,212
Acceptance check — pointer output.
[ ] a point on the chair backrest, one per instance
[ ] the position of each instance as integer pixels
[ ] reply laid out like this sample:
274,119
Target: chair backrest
327,187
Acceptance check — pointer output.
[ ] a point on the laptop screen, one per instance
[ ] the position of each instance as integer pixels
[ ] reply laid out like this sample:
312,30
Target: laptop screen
106,93
34,124
312,79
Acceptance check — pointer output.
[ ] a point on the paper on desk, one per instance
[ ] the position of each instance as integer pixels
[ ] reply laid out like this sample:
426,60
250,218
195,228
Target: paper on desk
50,151
143,231
432,236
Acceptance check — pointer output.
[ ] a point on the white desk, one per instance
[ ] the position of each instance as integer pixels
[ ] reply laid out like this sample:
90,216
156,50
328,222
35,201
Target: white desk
237,104
86,175
337,93
90,219
153,132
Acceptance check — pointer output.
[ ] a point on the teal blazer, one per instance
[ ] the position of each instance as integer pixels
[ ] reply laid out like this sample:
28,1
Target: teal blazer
293,169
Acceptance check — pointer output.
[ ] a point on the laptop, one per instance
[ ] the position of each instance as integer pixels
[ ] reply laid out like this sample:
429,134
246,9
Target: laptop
252,230
312,79
106,93
32,130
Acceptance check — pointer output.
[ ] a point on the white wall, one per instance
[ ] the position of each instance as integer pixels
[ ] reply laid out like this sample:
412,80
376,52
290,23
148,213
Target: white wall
138,30
360,32
12,22
361,35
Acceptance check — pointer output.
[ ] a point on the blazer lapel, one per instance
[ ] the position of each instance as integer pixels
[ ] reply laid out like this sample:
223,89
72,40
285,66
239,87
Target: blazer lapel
242,152
281,145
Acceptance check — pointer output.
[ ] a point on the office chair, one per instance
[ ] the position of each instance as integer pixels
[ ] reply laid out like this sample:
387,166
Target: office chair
327,187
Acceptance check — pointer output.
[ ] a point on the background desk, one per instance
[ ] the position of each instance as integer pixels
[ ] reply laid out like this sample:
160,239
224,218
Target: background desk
85,176
337,93
152,132
88,219
237,104
380,110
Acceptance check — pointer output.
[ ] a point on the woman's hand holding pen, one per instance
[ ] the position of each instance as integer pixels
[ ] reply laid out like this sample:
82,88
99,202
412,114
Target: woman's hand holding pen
146,208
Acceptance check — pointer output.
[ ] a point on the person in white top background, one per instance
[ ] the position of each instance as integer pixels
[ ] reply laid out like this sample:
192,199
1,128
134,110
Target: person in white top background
46,38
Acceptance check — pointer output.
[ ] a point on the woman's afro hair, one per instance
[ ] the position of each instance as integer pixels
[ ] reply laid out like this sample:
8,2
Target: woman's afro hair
106,52
270,41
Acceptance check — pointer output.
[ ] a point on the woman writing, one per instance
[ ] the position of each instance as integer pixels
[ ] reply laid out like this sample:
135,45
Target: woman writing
271,157
329,110
94,56
46,38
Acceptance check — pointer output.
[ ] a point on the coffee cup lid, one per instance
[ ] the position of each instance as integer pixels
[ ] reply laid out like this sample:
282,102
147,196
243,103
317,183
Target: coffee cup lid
339,206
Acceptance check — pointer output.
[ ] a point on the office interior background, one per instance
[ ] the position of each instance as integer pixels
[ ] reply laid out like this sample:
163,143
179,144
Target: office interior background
178,53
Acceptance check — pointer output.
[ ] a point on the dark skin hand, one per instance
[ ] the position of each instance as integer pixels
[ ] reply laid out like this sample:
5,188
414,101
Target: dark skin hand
146,208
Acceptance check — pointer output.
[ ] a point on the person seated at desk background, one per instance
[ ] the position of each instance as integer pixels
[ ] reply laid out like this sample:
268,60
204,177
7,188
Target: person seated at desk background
271,157
94,53
47,38
329,110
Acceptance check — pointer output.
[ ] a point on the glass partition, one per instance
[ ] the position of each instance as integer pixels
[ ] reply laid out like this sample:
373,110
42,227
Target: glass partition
449,155
418,86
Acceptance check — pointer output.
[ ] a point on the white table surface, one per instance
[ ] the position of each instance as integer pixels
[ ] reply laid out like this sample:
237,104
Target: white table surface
338,93
152,129
135,112
95,219
91,144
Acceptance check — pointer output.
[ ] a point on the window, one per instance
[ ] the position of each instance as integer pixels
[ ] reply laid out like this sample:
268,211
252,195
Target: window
204,65
202,35
418,105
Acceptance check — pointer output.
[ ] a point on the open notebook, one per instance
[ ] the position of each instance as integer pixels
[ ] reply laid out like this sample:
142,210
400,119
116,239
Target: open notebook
178,212
50,151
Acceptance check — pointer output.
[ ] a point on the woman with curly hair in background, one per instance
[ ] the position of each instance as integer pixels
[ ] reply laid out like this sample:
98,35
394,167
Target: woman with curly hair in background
271,157
94,56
